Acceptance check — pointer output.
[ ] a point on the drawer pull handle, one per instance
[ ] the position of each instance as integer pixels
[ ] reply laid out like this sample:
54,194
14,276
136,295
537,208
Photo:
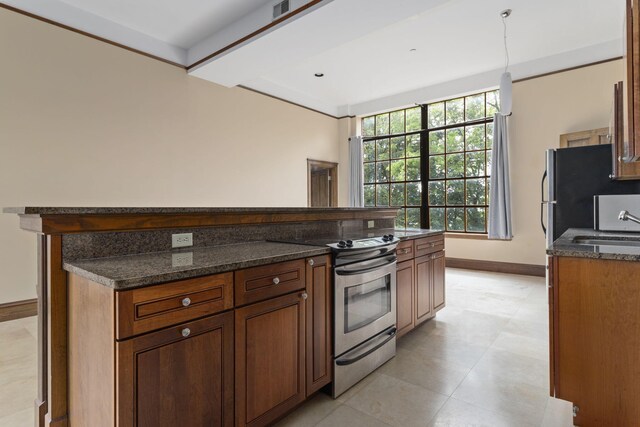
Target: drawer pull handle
311,262
186,332
186,302
304,295
276,280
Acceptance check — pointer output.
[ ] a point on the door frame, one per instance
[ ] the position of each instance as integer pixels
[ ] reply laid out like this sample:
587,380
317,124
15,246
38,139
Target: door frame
333,174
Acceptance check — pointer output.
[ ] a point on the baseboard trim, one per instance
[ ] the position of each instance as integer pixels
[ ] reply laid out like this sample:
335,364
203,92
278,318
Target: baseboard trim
497,267
18,309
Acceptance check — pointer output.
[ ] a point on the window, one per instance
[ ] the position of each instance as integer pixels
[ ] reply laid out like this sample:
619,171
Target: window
443,147
392,172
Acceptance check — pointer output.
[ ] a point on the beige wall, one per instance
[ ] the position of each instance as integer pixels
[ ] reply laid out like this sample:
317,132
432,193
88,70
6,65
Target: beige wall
84,123
543,109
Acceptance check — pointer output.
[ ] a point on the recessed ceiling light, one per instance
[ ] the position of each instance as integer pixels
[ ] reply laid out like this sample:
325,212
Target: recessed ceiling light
413,50
319,74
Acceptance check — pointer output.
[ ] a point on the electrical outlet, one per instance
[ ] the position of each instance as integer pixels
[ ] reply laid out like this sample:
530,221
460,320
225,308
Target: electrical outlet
181,240
183,259
371,224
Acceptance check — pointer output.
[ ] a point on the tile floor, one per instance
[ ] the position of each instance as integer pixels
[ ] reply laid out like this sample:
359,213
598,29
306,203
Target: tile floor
481,362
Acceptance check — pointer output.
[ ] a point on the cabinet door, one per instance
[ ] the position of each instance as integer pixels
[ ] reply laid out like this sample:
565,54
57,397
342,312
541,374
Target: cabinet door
596,339
424,277
553,323
438,281
270,359
319,323
181,375
404,297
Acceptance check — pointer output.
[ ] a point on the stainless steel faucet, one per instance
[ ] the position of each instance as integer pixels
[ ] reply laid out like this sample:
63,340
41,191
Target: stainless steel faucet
626,216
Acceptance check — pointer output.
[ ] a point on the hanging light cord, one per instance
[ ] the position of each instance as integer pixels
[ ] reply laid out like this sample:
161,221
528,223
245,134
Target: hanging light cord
506,51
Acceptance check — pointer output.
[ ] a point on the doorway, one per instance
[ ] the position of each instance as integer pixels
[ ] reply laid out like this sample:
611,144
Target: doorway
322,184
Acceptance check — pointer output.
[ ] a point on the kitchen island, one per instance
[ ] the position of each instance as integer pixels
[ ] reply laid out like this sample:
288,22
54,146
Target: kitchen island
594,319
115,301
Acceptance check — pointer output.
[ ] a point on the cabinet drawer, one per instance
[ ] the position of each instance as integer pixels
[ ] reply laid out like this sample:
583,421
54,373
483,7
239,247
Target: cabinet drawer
405,250
267,281
429,245
155,307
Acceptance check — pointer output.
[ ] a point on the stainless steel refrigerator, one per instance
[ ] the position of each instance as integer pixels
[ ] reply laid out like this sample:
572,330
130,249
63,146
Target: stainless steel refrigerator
571,179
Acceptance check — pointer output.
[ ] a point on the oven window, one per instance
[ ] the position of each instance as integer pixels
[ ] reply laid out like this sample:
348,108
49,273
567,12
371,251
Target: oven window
367,302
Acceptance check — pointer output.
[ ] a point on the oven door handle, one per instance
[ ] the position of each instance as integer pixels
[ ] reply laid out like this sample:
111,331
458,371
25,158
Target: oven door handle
370,266
373,345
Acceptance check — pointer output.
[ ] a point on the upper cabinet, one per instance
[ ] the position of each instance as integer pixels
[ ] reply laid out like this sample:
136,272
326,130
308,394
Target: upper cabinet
625,123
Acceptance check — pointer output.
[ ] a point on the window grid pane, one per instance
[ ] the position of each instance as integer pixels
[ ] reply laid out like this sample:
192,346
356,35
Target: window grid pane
458,181
456,135
391,162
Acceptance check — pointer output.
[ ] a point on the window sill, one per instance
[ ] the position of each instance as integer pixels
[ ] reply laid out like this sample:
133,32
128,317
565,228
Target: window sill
469,236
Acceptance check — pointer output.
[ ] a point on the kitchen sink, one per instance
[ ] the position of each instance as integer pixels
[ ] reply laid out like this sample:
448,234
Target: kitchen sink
607,241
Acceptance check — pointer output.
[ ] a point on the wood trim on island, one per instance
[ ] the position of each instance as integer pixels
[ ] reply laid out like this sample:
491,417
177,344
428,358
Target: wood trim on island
497,267
76,223
56,349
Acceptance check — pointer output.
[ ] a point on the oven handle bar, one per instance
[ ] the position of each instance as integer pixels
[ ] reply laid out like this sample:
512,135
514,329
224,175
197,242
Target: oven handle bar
370,347
367,266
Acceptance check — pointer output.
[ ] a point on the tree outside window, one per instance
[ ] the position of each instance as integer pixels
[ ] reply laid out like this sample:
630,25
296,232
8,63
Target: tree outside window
441,150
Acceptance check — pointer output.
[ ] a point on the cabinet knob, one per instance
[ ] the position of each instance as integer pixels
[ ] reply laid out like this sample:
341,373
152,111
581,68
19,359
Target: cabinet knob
276,280
311,262
304,295
186,302
186,332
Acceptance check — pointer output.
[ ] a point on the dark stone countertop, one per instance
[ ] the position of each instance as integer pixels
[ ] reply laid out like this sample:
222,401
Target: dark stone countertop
565,246
415,233
134,271
44,210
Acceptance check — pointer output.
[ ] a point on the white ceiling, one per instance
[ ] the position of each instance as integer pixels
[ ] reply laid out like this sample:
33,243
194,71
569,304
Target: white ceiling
180,23
361,46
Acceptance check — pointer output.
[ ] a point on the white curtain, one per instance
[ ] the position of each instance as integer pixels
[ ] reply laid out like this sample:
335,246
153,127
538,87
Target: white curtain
356,177
500,194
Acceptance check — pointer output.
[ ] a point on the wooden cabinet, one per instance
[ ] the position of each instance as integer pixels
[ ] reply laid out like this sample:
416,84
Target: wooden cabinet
404,297
181,375
405,251
166,355
632,81
319,332
595,339
154,307
625,123
438,281
268,281
284,347
424,280
420,284
270,359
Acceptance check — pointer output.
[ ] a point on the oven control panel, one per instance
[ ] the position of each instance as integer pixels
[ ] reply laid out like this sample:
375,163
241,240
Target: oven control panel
369,243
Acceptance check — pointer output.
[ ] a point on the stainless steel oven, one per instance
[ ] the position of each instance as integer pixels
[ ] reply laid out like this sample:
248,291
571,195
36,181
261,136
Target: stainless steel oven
365,301
364,335
364,309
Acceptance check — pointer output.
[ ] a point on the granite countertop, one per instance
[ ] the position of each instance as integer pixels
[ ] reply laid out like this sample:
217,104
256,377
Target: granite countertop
415,233
565,246
52,210
133,271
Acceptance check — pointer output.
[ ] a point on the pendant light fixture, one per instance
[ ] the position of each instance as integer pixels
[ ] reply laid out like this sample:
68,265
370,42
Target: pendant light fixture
505,80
